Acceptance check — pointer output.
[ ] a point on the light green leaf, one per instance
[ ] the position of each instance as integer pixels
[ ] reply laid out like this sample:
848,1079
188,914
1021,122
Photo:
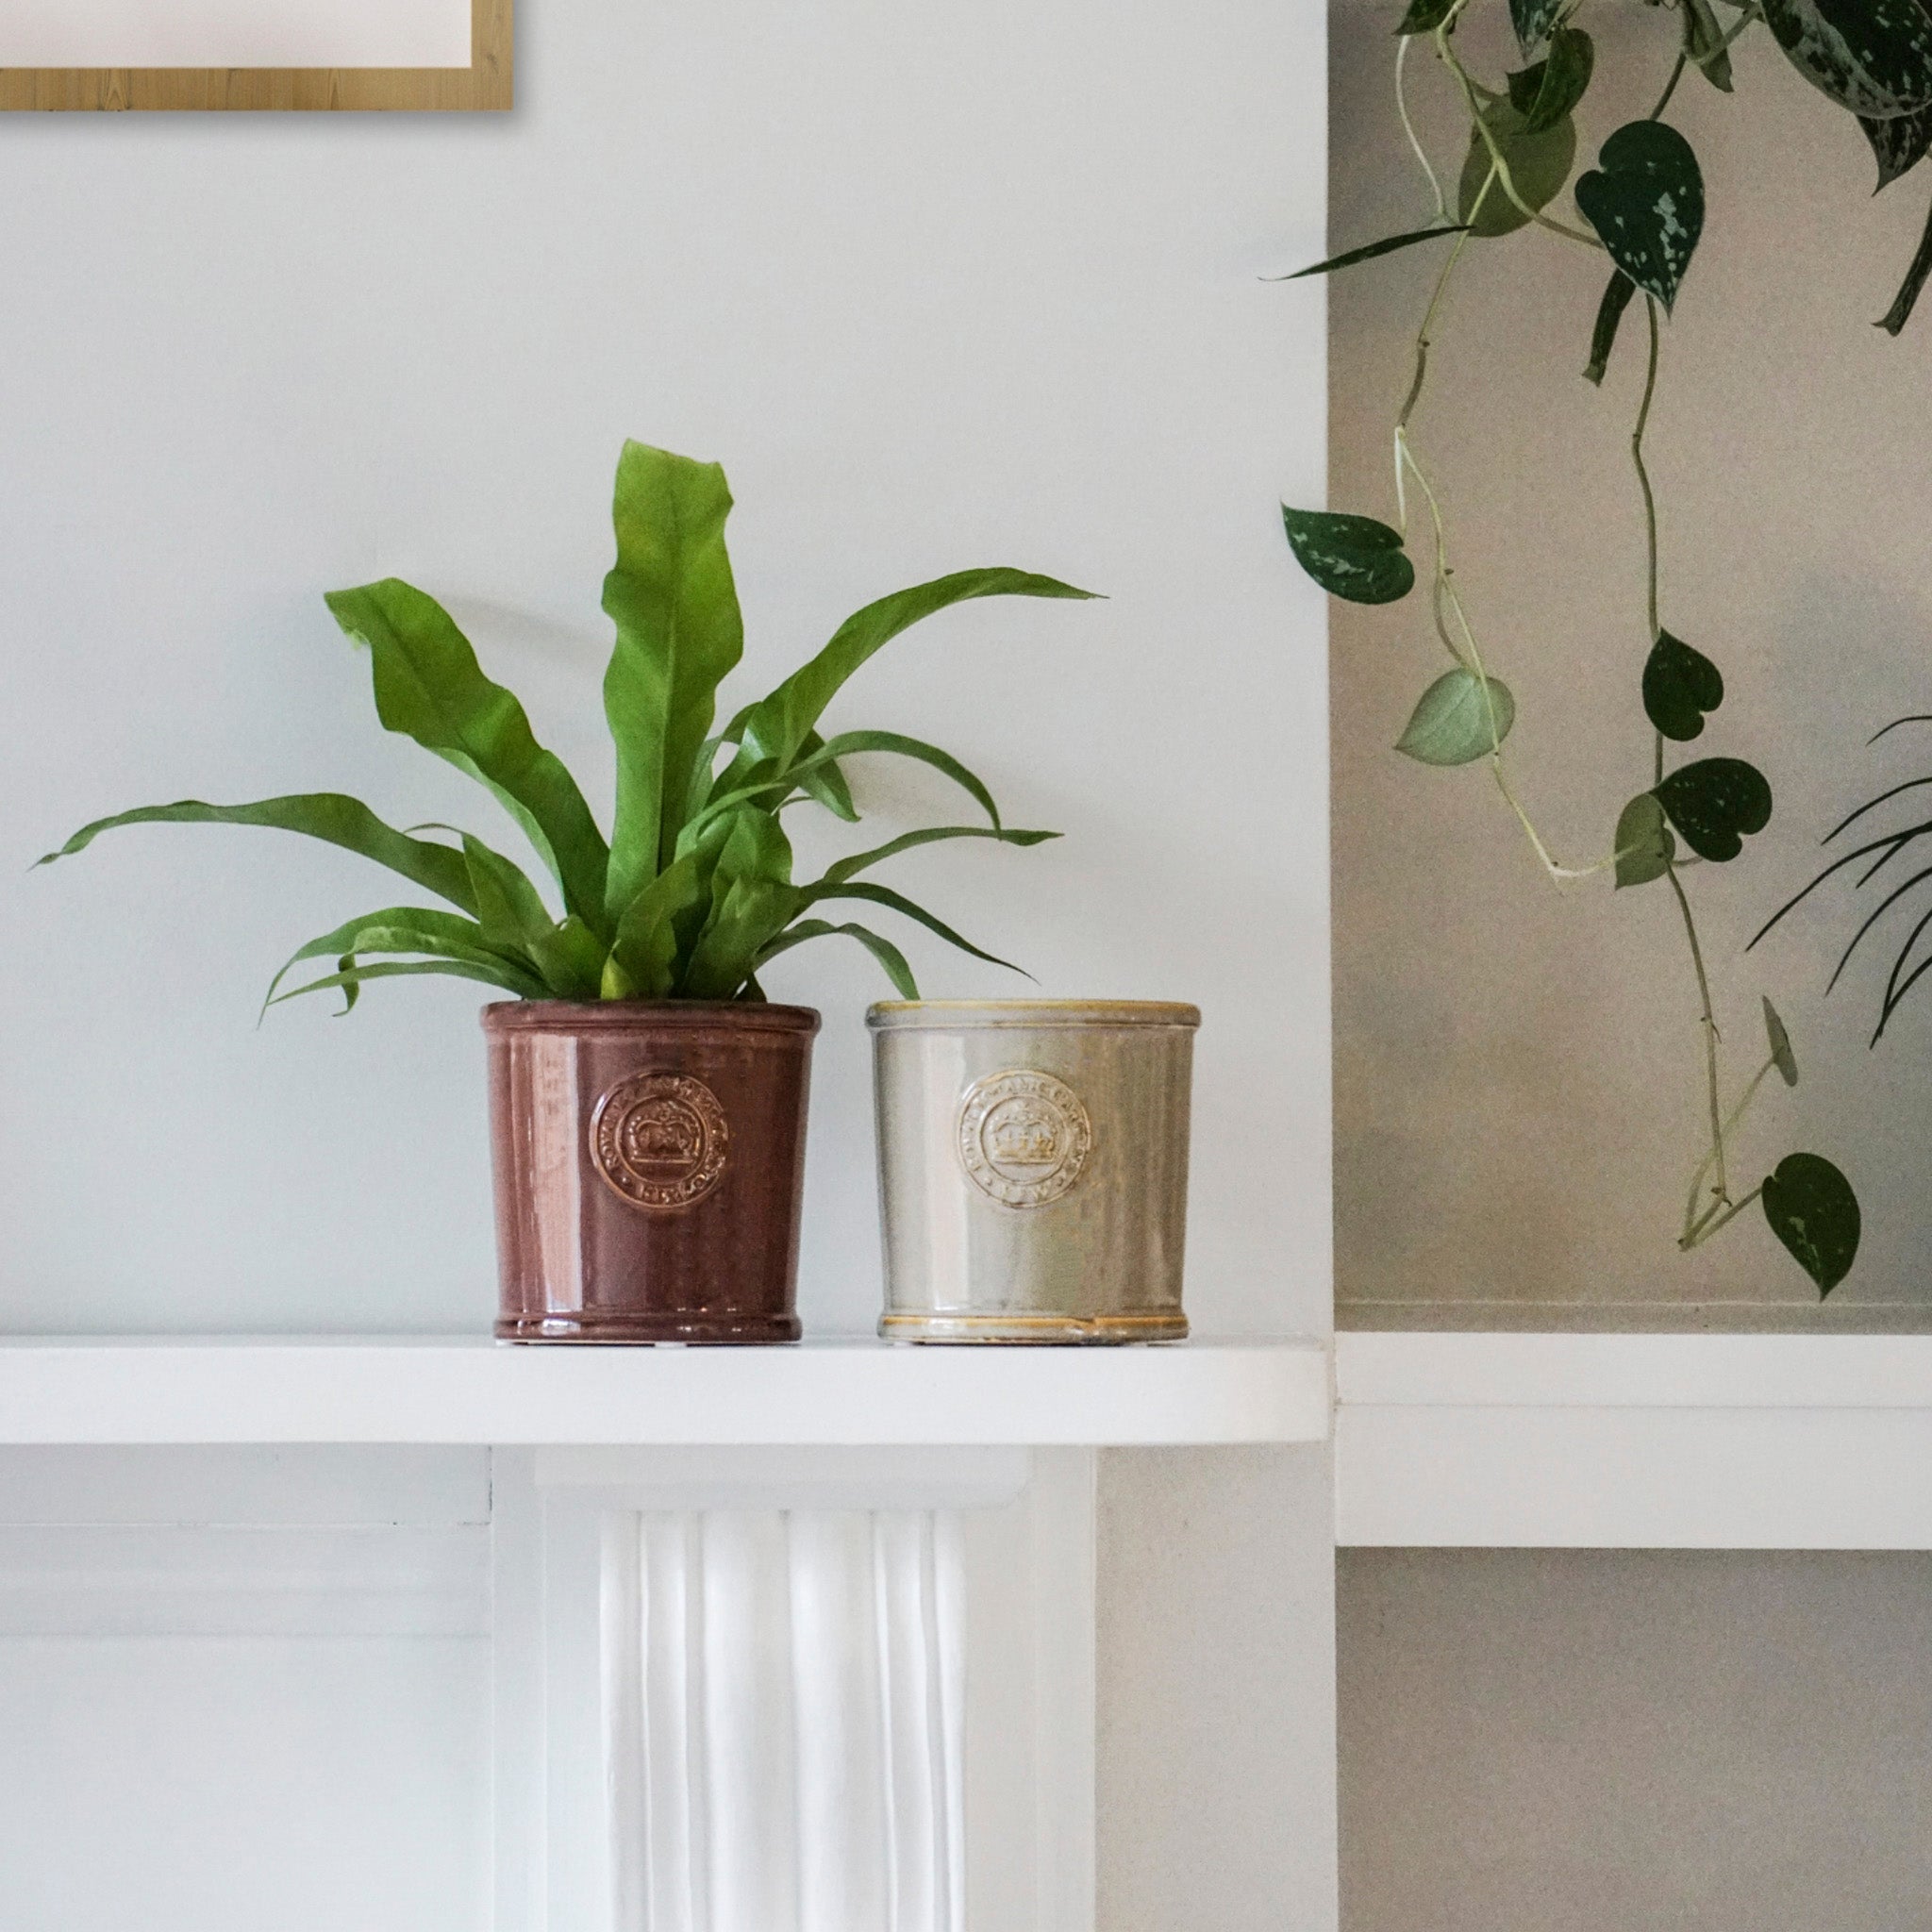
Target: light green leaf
353,978
413,929
1714,802
859,862
328,816
1643,844
429,686
898,902
1646,200
882,949
1539,161
1813,1211
662,924
1461,717
1353,558
672,597
826,783
752,899
1782,1057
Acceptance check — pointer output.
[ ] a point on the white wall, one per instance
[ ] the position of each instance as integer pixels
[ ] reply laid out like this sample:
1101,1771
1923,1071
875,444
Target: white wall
939,287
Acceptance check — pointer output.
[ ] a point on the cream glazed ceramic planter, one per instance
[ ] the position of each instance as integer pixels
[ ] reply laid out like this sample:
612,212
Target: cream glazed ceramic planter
1033,1168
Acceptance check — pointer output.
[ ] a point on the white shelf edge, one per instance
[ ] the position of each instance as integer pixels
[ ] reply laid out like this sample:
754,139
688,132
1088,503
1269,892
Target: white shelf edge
1634,1442
443,1390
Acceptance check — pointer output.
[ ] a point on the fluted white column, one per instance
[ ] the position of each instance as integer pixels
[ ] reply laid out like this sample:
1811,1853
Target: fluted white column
784,1714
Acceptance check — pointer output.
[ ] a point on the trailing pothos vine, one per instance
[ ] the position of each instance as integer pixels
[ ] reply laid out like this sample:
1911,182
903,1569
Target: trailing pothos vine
1641,209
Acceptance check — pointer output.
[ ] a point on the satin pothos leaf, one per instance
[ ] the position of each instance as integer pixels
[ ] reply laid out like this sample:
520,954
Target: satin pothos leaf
1898,144
1609,313
1353,558
1874,57
1533,20
1538,160
1460,718
1544,94
1813,1210
1643,845
1680,684
1423,17
1370,250
1646,200
1715,804
1703,45
1782,1058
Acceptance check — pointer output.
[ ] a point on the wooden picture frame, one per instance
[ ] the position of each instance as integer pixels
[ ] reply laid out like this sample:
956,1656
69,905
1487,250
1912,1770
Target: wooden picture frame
485,86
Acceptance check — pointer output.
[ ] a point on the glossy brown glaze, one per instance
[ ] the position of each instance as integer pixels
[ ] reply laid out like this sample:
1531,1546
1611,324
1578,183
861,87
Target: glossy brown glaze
649,1164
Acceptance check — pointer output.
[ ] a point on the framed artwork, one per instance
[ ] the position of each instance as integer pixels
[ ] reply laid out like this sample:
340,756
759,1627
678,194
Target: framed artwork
255,54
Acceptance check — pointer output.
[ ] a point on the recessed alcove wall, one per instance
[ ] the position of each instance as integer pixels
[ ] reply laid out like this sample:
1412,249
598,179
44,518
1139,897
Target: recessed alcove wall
1518,1074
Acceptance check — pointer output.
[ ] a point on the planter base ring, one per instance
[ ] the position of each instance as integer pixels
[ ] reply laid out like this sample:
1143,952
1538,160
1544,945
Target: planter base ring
1162,1325
725,1330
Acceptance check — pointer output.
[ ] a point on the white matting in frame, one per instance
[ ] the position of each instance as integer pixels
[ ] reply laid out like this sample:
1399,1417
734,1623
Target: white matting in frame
234,33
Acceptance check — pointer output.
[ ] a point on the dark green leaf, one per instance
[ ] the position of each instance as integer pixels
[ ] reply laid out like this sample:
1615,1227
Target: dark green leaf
1813,1211
1643,845
1680,684
1898,144
1903,303
1646,200
826,783
1539,163
898,902
861,861
1423,16
1874,57
1703,45
777,727
429,686
1368,252
1713,802
673,600
1350,557
882,949
1461,717
325,815
1782,1058
1609,312
1533,20
1546,92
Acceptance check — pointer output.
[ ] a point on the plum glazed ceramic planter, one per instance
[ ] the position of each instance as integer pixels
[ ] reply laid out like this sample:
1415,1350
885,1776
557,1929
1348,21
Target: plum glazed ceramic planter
1033,1168
649,1160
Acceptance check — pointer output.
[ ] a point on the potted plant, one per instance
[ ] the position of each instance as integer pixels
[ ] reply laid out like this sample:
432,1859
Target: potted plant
1033,1168
647,1103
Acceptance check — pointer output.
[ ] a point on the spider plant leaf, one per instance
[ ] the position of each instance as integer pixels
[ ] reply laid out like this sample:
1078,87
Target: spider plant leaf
429,686
1643,844
1646,200
861,861
898,902
411,929
328,816
1814,1212
1782,1058
1354,557
1460,718
881,948
1539,159
1898,144
493,972
1874,57
1546,93
672,597
1680,684
1714,804
752,899
778,726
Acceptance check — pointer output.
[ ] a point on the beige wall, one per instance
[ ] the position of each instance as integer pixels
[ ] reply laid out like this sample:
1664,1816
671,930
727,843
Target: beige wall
1630,1741
1517,1071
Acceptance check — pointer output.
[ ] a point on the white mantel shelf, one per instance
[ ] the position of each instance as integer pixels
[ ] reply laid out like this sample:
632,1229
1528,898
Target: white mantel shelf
448,1389
1634,1442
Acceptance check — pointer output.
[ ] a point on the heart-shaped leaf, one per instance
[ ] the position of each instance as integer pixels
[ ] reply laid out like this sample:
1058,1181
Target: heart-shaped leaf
1680,684
1544,94
1539,161
1424,16
1713,802
1643,844
1782,1058
1646,200
1813,1211
1350,557
1533,19
1874,57
1461,717
1703,45
1898,144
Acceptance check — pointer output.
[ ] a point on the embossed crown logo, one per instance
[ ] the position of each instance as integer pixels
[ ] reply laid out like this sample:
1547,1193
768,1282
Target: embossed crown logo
663,1133
1025,1136
660,1141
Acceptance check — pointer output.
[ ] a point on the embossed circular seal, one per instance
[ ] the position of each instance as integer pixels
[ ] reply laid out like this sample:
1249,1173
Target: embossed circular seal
1024,1137
660,1141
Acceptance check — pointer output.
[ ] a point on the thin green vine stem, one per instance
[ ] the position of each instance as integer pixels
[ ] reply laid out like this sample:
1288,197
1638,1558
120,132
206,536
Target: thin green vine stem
1670,88
1716,1125
1724,1211
1422,335
1732,1121
1416,148
1642,469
